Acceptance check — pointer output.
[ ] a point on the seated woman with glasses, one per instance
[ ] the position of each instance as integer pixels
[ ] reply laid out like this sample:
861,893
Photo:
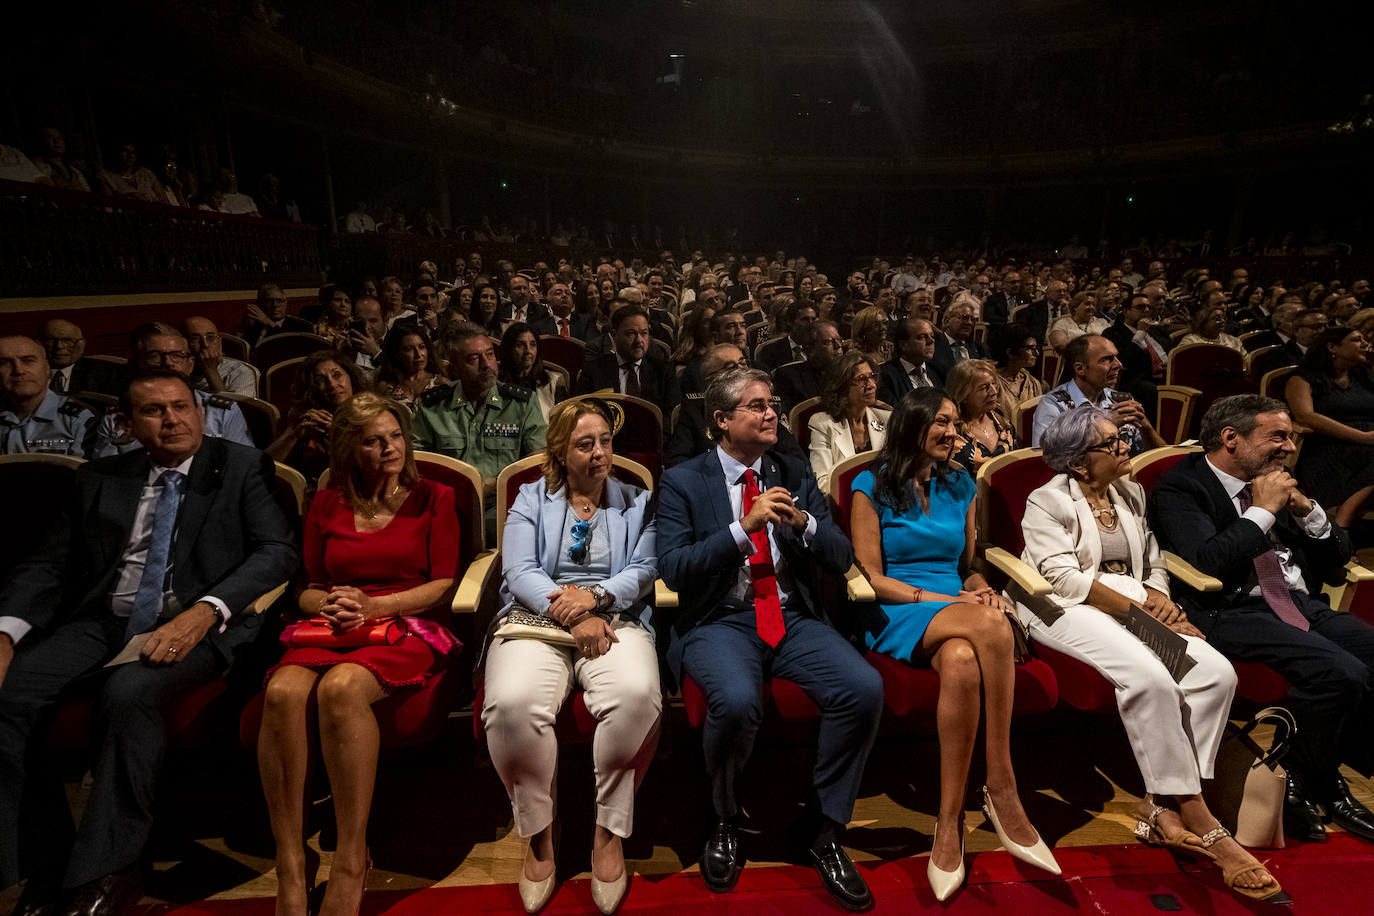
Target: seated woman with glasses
1017,352
848,421
381,548
983,431
323,382
578,549
1086,533
1208,326
912,521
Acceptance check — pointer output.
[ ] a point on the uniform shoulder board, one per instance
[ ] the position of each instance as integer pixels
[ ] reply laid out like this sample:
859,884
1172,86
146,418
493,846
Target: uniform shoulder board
1061,395
220,401
72,408
514,392
436,395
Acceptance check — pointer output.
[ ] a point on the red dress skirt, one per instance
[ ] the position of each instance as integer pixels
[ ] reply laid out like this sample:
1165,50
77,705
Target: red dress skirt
419,545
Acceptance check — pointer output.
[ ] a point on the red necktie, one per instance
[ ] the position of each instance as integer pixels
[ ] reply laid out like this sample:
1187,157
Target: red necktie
1273,587
767,606
563,328
1156,364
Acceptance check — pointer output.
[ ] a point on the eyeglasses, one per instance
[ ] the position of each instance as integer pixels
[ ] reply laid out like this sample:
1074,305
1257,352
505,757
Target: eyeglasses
756,407
158,357
1110,445
581,533
863,381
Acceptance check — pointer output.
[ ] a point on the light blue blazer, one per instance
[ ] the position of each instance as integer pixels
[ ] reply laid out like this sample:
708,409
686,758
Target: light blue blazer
534,534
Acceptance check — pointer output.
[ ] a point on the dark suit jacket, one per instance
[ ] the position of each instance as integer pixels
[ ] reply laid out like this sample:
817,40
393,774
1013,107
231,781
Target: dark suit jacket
578,326
97,376
1137,372
690,438
773,354
894,383
534,311
1192,516
232,541
944,360
797,382
1293,350
657,380
697,554
1036,317
996,309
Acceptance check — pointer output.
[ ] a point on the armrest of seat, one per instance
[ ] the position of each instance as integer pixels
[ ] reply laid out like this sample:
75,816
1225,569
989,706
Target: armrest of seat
856,585
1189,574
1018,571
474,583
663,595
268,598
1354,572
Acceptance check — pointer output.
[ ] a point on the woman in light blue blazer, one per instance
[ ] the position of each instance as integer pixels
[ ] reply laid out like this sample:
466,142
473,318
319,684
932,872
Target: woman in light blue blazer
578,549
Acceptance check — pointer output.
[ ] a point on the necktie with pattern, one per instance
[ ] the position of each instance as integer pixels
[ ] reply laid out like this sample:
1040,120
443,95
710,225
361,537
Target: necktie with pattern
1273,587
148,599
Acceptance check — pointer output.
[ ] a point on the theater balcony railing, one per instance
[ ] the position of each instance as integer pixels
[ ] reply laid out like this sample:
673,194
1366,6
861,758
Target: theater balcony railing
55,242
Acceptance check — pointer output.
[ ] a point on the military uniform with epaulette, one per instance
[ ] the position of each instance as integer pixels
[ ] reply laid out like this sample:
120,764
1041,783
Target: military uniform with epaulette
223,420
490,434
60,426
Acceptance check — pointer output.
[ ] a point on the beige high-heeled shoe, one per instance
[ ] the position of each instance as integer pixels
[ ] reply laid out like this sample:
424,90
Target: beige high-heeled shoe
1037,854
535,895
945,883
608,895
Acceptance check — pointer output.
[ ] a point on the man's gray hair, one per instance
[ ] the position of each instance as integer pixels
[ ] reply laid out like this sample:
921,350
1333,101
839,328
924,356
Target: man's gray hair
1239,412
1070,435
724,390
455,333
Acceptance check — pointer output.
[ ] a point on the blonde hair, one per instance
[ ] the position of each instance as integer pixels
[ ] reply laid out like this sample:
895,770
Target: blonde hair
963,379
865,323
346,432
562,422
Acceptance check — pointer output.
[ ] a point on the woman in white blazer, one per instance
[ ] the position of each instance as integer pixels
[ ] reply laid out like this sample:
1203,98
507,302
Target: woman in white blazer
848,422
578,548
1086,533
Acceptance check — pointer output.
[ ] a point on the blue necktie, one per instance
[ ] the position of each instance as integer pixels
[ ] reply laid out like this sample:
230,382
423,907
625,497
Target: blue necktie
148,600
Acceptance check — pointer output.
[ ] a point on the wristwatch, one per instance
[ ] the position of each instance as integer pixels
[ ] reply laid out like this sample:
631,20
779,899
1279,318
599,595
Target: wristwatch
604,599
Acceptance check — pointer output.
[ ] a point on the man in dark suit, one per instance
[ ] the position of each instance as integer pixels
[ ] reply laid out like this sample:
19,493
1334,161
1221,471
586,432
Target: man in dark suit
997,308
562,321
955,342
629,369
1143,349
521,307
801,381
1038,316
168,544
65,347
910,366
1235,513
743,534
799,325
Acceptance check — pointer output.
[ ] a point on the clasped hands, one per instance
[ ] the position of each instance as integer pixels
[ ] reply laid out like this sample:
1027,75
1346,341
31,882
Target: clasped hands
1278,490
346,607
572,606
1164,609
773,506
985,595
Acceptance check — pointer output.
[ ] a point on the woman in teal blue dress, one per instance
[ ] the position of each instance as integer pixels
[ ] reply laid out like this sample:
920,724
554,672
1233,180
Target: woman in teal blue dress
912,523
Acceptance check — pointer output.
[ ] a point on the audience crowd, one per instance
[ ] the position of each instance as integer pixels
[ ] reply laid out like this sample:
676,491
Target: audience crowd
752,382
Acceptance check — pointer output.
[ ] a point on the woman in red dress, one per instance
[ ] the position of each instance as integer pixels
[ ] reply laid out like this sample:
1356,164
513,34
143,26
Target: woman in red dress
380,542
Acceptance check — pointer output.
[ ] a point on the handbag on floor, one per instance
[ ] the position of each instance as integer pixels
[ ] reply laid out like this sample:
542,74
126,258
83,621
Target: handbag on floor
1247,793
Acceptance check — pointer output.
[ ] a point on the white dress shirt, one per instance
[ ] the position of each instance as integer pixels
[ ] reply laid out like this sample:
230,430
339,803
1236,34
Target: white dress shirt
742,595
625,373
1315,525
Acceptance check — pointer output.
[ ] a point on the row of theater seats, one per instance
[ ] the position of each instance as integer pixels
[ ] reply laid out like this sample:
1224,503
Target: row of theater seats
408,718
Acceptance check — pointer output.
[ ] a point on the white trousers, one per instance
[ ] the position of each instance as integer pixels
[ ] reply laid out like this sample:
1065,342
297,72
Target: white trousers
1174,727
528,681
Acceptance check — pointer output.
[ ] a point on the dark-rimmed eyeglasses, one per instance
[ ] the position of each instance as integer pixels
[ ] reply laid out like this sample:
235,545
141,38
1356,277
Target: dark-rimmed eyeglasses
1110,445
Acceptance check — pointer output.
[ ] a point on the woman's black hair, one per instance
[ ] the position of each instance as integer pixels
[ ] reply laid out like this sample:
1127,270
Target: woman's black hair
907,430
1318,365
391,350
1012,338
505,357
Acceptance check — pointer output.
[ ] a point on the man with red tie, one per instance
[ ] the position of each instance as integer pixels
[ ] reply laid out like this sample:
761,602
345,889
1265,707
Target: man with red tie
562,322
743,535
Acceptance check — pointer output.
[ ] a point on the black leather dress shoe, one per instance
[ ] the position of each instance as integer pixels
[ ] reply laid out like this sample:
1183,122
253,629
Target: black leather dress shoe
1302,820
111,895
841,878
1347,813
721,860
38,899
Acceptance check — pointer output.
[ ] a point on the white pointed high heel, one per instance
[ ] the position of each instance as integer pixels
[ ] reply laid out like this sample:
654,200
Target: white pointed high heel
1037,854
945,883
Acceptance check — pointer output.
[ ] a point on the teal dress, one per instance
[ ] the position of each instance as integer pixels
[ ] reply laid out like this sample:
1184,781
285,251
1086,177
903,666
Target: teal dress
924,552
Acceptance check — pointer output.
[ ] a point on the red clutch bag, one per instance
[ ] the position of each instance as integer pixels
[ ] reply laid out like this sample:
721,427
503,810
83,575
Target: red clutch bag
316,633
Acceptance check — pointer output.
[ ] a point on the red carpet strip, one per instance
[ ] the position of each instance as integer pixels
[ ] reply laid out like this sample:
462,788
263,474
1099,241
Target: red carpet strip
1334,878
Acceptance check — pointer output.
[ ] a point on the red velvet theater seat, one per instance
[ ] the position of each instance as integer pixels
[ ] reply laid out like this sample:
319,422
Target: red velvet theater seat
912,692
782,699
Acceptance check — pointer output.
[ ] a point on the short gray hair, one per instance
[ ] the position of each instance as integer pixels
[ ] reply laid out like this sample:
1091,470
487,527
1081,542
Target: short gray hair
1239,412
1070,435
723,392
455,333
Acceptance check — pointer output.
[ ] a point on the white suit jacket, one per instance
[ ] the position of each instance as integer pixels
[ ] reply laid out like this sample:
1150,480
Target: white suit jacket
831,442
1063,545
